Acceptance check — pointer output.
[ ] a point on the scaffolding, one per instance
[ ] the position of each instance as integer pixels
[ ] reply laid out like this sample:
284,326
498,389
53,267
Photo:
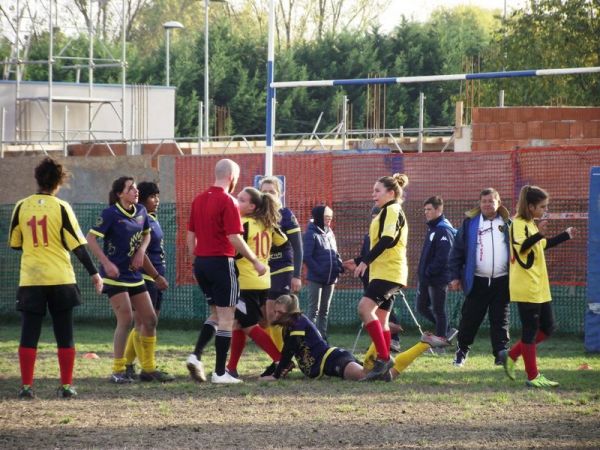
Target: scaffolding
45,103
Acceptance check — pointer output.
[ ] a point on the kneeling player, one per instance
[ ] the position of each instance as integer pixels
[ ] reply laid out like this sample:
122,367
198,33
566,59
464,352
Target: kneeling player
316,358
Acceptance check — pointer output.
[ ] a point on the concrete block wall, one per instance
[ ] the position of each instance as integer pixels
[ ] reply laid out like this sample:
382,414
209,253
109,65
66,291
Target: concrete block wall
508,128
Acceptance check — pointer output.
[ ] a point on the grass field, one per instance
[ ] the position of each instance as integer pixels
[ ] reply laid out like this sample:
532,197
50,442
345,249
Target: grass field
431,405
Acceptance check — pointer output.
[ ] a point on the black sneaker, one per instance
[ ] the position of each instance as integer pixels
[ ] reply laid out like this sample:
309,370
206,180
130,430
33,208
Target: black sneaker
26,393
380,368
130,372
460,357
66,391
269,370
157,375
499,360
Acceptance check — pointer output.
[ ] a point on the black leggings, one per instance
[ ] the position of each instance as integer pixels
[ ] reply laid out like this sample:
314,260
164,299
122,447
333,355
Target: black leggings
534,317
62,322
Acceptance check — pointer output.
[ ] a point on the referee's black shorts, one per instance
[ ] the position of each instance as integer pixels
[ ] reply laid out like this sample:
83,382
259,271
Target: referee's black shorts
59,297
217,277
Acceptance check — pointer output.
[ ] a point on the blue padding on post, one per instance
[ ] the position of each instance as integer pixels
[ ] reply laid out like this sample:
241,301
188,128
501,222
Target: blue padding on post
593,273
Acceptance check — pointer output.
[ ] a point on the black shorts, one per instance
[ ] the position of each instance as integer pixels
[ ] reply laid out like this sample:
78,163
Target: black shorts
217,277
156,295
336,362
248,311
280,284
111,290
383,293
59,297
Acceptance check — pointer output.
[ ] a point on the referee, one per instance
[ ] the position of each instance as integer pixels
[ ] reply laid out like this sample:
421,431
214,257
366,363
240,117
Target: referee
214,237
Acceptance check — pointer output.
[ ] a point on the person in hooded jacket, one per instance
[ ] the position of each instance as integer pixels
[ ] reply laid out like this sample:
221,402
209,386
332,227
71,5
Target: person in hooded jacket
434,275
323,263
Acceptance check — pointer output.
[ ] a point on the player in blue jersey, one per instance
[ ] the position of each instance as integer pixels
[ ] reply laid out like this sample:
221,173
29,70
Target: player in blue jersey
153,271
316,358
285,262
125,230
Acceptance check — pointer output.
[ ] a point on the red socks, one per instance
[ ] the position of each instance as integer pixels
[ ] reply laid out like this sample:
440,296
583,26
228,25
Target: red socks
517,349
264,341
376,332
66,361
530,360
238,343
27,362
387,338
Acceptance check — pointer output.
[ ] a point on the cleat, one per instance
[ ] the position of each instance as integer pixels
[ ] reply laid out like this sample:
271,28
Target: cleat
196,368
26,393
269,370
66,391
380,368
434,341
451,334
541,382
498,361
120,378
233,372
130,372
395,345
224,379
509,364
157,375
460,358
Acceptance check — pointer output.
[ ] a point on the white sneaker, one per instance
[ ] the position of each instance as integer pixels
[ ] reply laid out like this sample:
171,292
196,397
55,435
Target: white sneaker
224,379
196,368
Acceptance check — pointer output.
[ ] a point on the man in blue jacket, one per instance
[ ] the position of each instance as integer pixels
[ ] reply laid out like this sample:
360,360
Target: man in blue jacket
433,266
479,262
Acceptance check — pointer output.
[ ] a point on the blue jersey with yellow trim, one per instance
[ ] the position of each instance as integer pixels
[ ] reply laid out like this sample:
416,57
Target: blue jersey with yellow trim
156,250
122,233
309,354
282,257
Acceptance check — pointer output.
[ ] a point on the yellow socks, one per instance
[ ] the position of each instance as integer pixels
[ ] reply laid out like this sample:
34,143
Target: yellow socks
276,333
370,358
404,359
147,356
130,348
119,365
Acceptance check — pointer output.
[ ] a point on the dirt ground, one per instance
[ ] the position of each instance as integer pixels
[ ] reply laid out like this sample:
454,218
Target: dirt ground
299,414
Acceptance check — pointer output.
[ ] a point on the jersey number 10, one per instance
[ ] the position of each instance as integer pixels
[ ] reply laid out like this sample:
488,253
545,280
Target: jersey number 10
43,223
262,244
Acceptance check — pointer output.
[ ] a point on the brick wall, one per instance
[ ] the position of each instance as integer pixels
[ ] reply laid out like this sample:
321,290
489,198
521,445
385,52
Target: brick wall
508,128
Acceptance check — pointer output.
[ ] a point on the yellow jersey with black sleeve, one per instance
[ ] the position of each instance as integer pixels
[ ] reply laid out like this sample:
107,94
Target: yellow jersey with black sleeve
391,265
260,241
46,229
528,275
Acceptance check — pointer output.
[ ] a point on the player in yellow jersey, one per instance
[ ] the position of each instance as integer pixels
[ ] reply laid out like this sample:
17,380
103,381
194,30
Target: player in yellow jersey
45,229
260,216
528,282
388,268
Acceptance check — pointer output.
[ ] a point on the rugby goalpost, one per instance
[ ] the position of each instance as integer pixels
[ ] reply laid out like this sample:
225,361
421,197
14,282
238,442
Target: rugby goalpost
272,85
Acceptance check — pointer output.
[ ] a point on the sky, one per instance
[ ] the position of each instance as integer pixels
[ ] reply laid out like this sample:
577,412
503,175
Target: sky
421,9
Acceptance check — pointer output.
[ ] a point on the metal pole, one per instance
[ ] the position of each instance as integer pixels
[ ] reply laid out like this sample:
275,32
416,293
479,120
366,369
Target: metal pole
18,76
270,115
167,57
501,98
50,63
65,130
421,107
206,96
200,108
123,64
2,131
344,124
90,66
